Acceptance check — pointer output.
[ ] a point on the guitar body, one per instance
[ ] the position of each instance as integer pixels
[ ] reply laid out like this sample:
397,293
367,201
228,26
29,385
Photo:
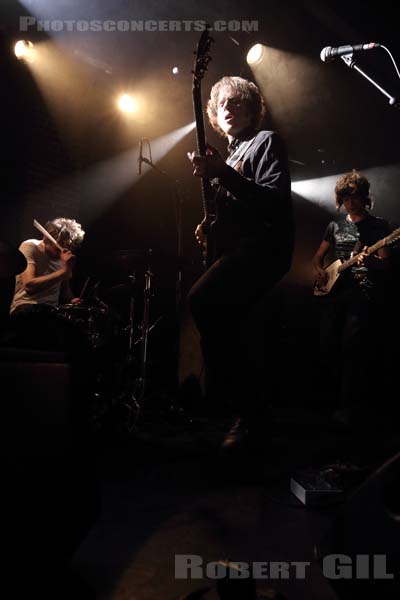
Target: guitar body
334,270
210,250
332,273
217,234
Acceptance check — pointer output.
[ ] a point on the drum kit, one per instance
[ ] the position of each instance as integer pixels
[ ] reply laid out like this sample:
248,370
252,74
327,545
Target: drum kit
117,337
103,328
89,319
120,319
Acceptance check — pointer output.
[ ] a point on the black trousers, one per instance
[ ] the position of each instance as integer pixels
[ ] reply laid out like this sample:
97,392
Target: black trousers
229,304
352,339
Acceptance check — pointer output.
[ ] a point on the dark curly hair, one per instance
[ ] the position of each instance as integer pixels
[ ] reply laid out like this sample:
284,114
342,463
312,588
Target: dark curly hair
352,184
247,91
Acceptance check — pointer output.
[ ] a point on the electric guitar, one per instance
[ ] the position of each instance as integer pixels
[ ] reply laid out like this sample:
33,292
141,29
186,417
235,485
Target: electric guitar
207,192
334,270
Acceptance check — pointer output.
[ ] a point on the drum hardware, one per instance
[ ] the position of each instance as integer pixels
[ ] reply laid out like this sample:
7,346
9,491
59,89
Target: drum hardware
84,288
86,318
139,340
130,327
135,402
96,300
178,195
132,374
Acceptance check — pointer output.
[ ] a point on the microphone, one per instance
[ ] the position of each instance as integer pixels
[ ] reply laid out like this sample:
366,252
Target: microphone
330,53
140,159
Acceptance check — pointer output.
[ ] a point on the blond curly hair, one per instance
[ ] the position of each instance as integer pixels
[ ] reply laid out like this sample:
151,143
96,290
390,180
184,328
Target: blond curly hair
245,90
66,231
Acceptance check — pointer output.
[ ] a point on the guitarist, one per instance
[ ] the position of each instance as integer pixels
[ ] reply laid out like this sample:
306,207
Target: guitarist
253,235
352,313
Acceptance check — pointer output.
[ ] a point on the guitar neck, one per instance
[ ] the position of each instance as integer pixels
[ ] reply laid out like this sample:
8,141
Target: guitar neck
200,67
206,188
199,118
370,250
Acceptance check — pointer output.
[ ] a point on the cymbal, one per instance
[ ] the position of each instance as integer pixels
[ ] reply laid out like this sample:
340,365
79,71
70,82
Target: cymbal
12,261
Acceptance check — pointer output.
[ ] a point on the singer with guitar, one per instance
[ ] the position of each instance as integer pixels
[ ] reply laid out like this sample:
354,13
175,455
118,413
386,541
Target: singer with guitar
251,248
353,312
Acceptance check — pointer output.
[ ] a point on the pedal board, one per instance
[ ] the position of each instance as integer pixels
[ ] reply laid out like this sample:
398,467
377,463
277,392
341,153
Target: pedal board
315,487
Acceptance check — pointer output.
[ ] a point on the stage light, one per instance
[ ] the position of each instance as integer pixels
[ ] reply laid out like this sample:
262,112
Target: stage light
24,50
255,54
175,71
127,104
318,191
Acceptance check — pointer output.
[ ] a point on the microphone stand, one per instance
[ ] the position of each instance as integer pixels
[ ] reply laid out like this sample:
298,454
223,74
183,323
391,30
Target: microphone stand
178,207
179,199
348,60
140,384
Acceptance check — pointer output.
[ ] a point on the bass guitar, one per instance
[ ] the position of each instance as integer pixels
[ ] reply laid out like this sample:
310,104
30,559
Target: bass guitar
207,193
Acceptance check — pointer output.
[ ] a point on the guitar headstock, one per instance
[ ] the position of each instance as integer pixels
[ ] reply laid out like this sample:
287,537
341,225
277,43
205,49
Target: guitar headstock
202,56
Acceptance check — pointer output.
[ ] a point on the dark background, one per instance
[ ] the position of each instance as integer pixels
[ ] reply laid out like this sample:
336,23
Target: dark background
67,151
